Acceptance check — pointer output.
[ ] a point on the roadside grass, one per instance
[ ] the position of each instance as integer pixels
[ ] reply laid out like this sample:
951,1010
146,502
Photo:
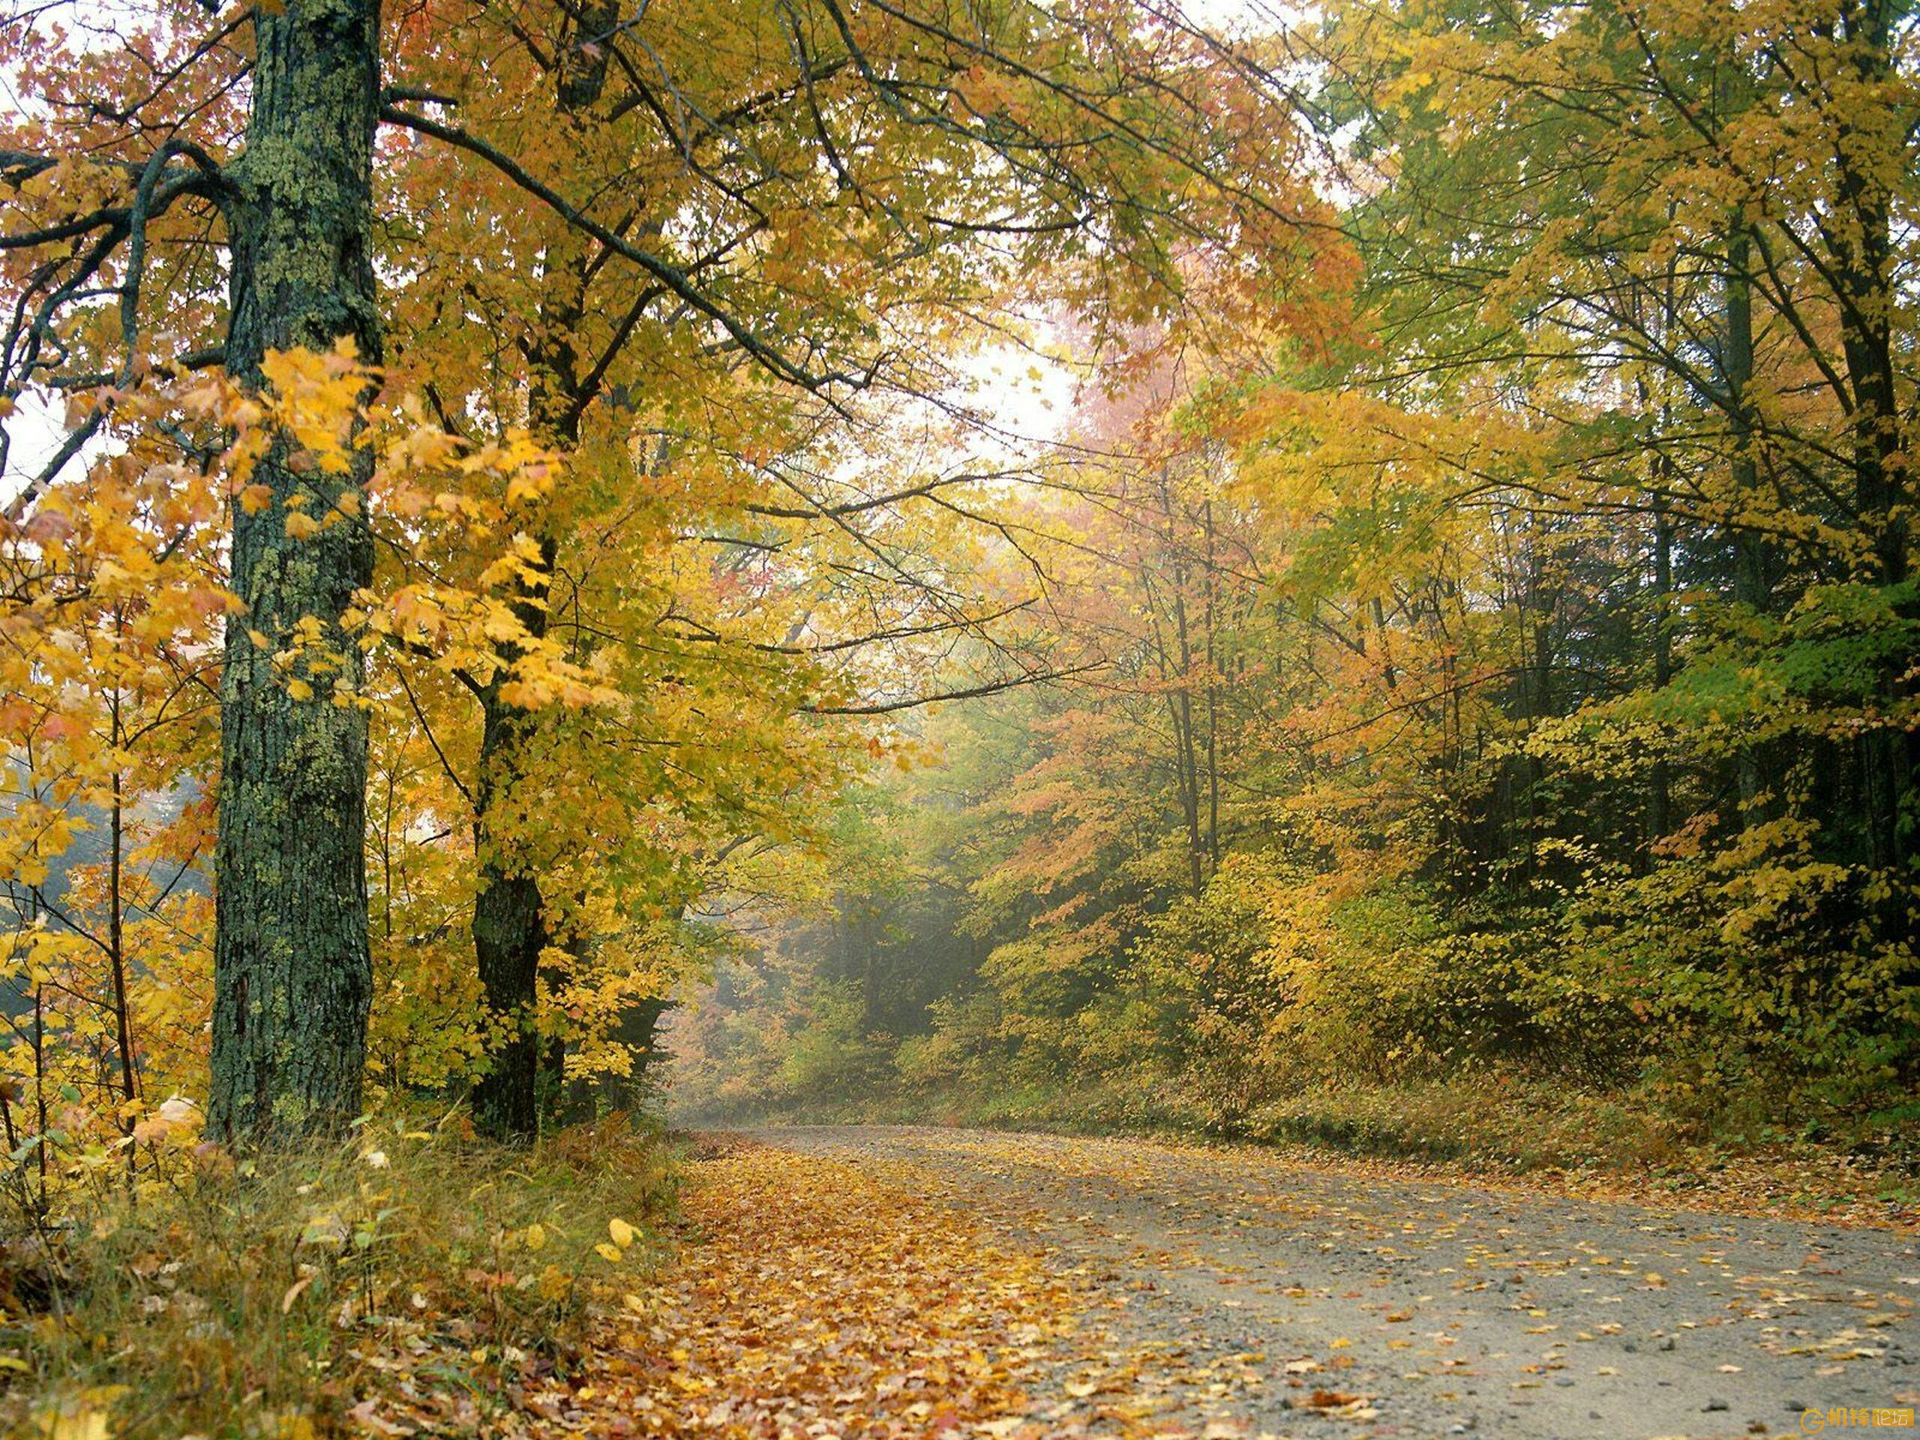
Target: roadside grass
408,1278
1493,1128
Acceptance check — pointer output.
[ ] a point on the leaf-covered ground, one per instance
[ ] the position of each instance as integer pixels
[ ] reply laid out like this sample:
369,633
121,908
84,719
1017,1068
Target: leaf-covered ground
862,1297
1235,1293
866,1281
818,1298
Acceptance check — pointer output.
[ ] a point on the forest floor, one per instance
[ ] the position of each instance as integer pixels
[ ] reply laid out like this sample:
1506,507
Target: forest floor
897,1281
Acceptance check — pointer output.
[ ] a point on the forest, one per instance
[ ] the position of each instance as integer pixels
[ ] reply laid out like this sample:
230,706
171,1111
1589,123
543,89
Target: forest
575,572
1492,688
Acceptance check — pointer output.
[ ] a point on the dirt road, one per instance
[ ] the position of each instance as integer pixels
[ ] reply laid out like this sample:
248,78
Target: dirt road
1260,1296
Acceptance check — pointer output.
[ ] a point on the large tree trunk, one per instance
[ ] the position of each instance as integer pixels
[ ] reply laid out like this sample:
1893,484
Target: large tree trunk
292,974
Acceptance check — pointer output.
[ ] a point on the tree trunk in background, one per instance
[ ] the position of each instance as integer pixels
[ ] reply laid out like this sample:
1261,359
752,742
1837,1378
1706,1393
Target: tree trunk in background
1752,586
292,973
1863,244
510,929
1660,796
638,1030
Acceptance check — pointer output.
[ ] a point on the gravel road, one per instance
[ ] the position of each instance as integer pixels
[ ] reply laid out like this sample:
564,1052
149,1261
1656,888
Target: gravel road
1258,1295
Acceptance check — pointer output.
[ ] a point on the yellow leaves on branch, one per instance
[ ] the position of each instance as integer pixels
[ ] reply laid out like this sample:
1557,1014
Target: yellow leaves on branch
432,495
315,400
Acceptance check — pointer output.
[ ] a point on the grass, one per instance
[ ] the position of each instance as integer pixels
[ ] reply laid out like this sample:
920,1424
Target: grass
409,1277
1499,1123
1486,1126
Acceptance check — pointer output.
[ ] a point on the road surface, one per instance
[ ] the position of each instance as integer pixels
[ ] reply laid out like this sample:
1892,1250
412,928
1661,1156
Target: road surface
1255,1295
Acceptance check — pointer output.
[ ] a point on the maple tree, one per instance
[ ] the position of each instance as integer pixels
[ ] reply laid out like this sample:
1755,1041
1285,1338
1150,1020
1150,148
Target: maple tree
498,499
699,243
1519,681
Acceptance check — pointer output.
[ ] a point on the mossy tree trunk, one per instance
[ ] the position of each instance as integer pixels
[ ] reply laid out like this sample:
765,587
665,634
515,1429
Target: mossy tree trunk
292,974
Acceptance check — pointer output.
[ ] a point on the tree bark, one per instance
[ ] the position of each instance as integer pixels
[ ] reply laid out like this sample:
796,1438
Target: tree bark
292,972
1752,579
1864,254
510,929
509,932
1660,796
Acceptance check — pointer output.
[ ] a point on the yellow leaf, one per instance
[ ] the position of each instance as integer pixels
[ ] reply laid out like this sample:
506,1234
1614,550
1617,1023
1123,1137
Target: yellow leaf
86,1424
621,1232
609,1253
536,1237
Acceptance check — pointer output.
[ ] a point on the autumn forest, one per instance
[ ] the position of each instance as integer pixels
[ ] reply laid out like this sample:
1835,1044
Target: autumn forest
604,602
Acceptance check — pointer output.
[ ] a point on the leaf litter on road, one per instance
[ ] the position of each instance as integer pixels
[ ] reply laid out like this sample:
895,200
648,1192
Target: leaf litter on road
816,1298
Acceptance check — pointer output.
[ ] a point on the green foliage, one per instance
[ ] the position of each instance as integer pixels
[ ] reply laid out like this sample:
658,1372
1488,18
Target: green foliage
831,1052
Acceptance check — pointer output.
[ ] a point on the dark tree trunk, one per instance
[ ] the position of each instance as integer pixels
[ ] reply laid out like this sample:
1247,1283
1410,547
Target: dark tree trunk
1882,482
638,1030
1753,563
510,929
509,933
292,975
1660,796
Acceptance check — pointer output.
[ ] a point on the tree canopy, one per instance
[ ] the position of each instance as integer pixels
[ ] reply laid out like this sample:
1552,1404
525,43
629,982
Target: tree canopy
516,518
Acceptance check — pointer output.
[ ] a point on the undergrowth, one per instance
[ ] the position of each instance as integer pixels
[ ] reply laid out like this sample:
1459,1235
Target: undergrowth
406,1278
1496,1125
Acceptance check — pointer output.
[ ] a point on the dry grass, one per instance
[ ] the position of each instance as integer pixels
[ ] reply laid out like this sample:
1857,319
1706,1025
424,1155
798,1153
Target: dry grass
409,1277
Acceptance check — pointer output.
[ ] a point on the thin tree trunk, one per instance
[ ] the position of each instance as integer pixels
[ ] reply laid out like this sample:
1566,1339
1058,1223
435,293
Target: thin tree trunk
1752,586
116,924
40,1085
1213,696
1189,756
1660,800
292,973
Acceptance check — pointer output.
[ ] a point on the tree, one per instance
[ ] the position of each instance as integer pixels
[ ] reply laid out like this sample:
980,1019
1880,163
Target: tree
815,198
292,973
866,178
292,970
1546,632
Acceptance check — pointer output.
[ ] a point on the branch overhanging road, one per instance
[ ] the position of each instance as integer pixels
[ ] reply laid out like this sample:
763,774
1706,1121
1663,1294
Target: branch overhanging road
1232,1292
